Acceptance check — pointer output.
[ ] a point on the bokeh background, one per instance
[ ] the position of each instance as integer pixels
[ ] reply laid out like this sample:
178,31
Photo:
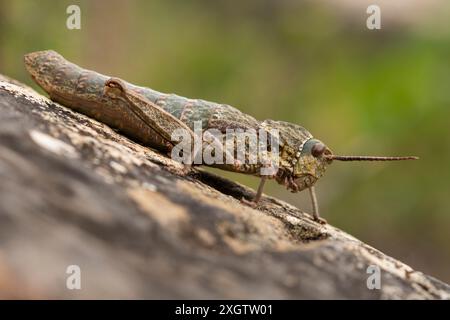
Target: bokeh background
375,92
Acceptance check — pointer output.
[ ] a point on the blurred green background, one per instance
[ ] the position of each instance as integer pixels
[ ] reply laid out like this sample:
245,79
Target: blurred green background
380,92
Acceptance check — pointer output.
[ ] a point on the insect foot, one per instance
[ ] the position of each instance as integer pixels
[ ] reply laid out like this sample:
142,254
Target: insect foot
250,203
320,220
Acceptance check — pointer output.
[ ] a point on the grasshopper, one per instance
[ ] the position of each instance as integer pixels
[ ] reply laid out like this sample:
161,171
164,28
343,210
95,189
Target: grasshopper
151,117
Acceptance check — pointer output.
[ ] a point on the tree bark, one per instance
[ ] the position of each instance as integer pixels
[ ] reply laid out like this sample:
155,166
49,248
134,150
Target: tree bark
75,192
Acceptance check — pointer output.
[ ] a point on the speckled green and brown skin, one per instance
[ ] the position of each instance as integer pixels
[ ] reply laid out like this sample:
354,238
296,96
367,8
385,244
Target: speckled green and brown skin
84,91
150,117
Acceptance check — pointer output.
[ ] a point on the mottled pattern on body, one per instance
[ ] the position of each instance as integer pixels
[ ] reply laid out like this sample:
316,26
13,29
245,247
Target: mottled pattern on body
84,91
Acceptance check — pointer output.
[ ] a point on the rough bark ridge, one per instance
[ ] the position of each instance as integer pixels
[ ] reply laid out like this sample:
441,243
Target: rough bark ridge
75,192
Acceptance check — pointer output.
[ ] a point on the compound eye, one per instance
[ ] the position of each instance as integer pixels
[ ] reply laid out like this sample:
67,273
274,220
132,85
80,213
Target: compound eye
318,149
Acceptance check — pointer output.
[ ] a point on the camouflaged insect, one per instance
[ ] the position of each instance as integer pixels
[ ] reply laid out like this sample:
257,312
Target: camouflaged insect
151,117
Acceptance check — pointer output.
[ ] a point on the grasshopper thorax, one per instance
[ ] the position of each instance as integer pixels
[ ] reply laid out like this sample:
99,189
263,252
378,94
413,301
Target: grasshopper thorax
302,159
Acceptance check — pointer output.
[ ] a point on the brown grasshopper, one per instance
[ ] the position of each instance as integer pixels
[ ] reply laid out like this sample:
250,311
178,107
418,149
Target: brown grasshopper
151,117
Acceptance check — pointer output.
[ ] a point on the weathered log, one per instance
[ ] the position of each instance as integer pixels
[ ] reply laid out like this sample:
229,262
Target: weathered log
75,192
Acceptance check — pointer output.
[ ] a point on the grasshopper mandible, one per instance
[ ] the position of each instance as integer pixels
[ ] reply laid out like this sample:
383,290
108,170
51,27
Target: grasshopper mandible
151,117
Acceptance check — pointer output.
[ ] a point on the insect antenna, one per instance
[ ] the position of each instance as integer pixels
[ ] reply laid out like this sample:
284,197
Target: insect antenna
369,158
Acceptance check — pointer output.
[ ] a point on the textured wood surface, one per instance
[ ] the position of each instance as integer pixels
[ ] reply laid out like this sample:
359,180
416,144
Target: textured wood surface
73,191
